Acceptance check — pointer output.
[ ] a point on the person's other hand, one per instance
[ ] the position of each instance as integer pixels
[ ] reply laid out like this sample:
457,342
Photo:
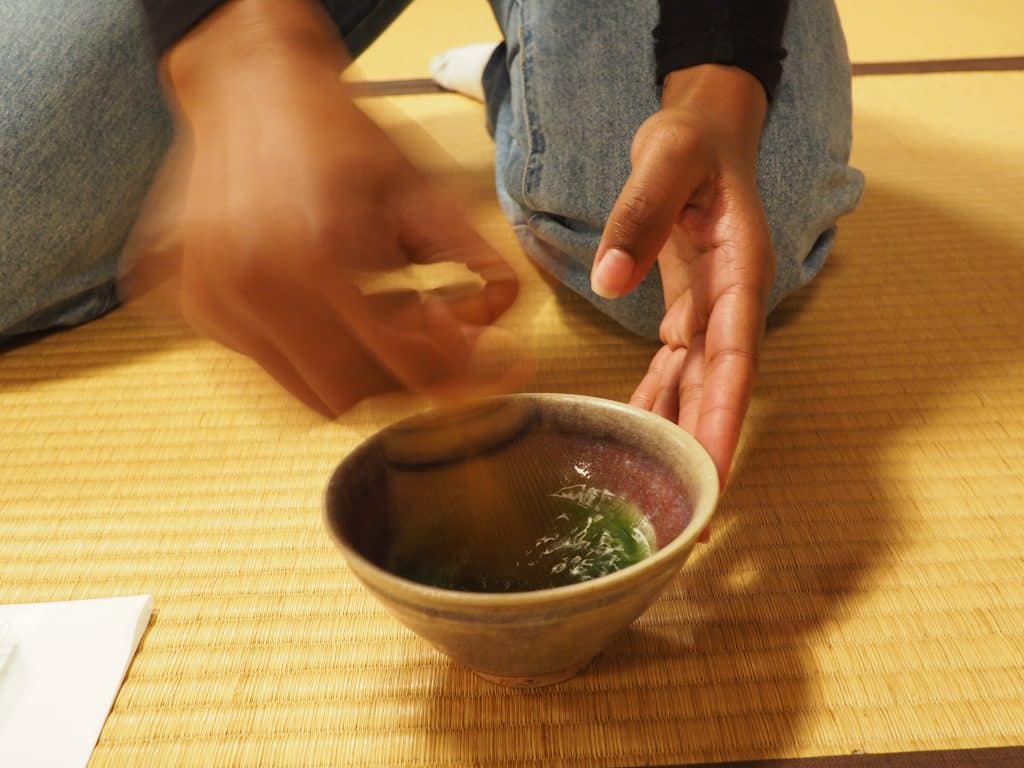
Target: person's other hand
691,203
277,200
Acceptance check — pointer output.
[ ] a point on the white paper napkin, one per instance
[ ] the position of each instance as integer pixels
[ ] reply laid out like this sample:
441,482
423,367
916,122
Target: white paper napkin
66,663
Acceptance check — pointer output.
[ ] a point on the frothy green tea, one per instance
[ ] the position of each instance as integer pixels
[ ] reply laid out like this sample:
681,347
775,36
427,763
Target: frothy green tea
546,509
507,496
582,533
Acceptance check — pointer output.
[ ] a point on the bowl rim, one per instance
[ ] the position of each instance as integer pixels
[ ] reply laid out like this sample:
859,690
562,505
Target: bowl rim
709,493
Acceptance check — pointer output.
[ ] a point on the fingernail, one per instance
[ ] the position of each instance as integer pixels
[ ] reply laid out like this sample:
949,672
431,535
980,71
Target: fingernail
612,273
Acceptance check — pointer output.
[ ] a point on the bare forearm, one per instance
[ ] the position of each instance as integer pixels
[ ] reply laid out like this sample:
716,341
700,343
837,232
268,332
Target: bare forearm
286,37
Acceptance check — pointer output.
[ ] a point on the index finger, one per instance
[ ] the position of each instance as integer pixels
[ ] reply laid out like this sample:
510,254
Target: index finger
432,231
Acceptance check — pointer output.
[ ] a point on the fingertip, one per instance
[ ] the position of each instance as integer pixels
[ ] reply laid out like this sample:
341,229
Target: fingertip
723,477
641,400
670,331
723,463
612,273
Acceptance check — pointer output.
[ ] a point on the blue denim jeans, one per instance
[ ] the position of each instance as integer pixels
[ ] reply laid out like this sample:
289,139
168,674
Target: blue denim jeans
83,128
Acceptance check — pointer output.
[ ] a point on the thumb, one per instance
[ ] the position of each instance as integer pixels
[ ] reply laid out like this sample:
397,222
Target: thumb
666,173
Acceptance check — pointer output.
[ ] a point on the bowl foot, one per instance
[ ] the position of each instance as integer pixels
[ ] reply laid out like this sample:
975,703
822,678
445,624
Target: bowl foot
533,681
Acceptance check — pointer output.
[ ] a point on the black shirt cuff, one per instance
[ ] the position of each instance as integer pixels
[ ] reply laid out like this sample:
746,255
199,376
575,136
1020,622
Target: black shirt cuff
170,20
741,33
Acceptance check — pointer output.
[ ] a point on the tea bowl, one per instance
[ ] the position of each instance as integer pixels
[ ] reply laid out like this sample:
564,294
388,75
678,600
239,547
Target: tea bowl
399,485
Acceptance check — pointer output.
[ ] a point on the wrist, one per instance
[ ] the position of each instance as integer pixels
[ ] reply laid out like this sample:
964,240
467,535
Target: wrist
731,98
244,37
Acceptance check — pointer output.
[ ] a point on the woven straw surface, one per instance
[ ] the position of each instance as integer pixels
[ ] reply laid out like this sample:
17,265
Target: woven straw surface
878,30
863,589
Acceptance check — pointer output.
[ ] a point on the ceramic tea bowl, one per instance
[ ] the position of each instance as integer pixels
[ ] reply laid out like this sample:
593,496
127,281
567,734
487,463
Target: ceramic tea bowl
452,481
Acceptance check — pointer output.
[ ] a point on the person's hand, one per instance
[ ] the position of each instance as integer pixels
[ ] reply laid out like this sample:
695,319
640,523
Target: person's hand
280,199
691,203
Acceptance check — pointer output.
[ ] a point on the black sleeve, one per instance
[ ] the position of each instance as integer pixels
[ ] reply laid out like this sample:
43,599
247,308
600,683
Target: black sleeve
169,20
741,33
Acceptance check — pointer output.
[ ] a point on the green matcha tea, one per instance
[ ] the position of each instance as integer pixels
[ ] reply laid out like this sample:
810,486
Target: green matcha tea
581,533
538,513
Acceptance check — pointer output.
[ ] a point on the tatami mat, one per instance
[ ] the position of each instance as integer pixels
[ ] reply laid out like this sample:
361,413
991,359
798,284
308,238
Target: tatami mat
883,30
863,590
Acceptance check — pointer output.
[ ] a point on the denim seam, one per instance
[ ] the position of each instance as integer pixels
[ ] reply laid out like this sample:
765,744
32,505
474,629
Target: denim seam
535,137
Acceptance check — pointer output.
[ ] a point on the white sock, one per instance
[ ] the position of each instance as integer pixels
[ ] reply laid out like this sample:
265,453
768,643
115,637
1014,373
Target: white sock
462,69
